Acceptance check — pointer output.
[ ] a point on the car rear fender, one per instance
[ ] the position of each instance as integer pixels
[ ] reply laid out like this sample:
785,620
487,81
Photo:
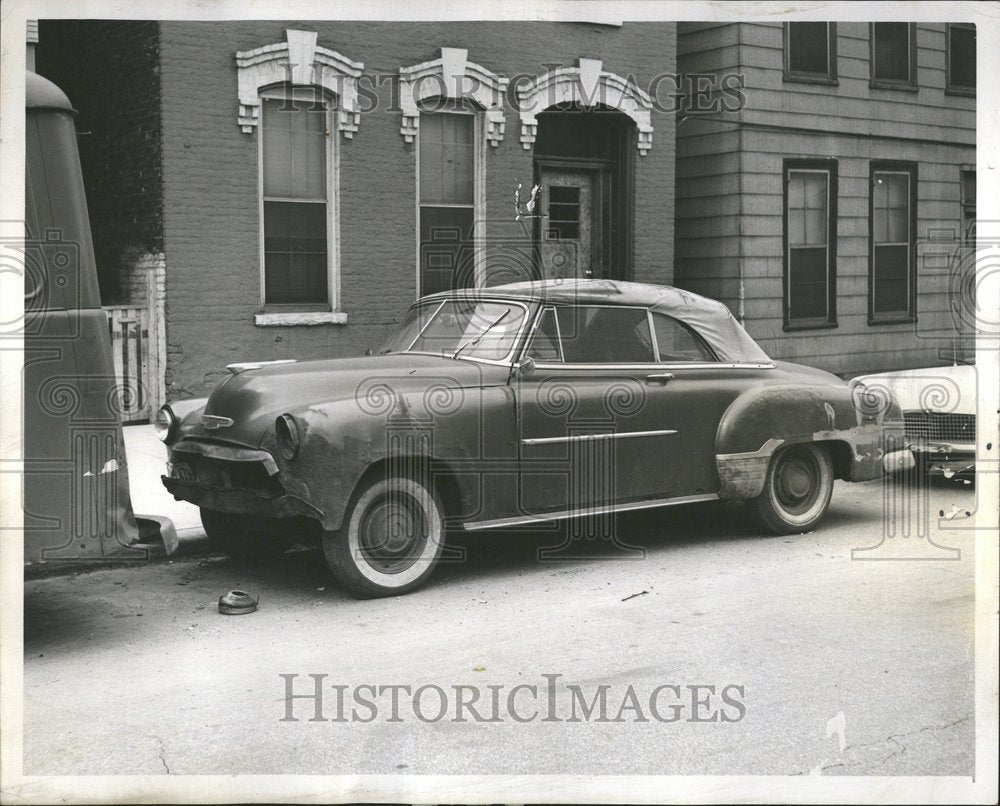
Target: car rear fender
766,418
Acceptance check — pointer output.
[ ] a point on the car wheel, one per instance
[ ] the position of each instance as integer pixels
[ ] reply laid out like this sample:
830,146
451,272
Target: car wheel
797,489
234,535
391,538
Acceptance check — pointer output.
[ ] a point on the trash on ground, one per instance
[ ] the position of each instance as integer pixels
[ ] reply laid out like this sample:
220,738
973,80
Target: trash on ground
633,595
236,603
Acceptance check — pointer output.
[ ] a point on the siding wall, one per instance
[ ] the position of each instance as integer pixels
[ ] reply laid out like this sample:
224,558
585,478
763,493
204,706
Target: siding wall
210,179
730,196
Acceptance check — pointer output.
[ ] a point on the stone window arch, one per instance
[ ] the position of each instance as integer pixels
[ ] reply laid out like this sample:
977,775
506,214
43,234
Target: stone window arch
299,62
588,85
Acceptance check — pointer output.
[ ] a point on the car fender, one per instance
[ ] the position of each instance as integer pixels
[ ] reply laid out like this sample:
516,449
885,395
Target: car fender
766,418
437,429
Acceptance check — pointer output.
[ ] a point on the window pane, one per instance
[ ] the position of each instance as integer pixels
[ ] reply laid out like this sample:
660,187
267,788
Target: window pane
962,57
295,265
409,328
969,188
545,341
676,342
808,223
446,158
446,255
460,322
564,213
891,207
604,335
808,45
808,283
891,279
892,51
294,148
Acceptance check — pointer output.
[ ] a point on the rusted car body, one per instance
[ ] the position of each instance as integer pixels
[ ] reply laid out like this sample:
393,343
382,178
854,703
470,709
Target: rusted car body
76,488
520,404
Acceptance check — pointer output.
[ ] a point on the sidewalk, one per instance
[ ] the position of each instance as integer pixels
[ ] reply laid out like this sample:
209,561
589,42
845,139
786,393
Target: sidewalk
147,461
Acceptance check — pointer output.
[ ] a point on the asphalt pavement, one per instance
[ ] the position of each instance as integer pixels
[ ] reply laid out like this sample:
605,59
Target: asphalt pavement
743,653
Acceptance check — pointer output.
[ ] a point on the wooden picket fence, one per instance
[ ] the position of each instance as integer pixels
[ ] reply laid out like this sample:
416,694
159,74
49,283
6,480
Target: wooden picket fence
130,350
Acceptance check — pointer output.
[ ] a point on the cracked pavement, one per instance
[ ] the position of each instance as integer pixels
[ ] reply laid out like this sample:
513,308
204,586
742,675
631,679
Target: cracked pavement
133,670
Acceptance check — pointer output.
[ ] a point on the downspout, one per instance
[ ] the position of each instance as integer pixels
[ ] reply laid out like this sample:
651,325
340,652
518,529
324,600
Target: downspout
740,254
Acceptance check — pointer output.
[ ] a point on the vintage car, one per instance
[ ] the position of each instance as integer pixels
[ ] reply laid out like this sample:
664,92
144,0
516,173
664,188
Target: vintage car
511,405
939,409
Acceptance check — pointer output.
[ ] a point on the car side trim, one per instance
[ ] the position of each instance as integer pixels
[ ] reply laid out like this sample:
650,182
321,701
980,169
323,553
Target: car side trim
523,520
640,367
588,437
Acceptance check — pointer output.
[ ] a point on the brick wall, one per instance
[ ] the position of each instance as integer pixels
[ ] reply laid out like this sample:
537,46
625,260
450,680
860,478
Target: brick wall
110,71
210,179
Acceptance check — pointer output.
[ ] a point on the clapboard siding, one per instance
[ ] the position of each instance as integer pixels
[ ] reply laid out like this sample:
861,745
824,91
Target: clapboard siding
730,198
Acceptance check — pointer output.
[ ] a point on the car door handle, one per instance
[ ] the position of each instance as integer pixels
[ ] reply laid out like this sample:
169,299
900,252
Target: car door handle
660,377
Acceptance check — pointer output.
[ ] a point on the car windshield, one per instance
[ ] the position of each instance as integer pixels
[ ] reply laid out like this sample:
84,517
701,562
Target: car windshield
459,328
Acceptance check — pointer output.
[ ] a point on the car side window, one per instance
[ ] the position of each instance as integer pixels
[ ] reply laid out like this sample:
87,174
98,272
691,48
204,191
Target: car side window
593,334
545,340
675,341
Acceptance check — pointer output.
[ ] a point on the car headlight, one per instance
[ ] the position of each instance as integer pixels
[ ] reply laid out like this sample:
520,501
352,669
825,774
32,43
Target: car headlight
287,434
164,422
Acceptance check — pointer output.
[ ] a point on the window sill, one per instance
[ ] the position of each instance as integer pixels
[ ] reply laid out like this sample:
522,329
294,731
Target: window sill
965,92
905,319
300,318
791,326
802,78
886,84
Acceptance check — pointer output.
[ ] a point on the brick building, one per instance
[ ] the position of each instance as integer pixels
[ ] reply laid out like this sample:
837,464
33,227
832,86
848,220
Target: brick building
286,189
829,211
298,184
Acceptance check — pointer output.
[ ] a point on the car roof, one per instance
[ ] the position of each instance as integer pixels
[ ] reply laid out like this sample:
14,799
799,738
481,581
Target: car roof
712,320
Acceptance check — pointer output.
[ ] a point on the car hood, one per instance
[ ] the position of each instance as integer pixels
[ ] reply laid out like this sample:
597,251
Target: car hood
253,398
944,389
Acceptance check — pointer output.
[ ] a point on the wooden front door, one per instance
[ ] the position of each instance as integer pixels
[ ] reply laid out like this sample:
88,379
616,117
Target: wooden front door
573,229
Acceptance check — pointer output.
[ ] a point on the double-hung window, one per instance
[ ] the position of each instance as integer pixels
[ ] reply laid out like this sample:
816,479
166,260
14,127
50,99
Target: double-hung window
296,162
968,207
892,285
447,199
961,59
810,282
811,52
893,55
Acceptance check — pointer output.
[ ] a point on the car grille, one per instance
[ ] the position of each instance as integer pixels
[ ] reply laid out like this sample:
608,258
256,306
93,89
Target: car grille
929,425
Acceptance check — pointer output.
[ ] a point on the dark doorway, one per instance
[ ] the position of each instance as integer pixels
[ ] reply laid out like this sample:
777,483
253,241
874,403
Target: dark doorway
584,163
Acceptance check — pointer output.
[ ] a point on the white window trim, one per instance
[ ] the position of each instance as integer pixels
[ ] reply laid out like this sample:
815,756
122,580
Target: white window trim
478,198
454,77
286,314
585,84
298,61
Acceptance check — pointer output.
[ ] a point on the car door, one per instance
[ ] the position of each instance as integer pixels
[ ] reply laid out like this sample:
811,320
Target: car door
598,422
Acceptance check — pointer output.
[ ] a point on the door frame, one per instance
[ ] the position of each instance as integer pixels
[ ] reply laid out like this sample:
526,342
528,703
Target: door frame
603,193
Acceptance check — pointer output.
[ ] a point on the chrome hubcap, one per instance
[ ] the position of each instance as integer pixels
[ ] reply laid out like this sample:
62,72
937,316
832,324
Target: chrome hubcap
393,533
796,481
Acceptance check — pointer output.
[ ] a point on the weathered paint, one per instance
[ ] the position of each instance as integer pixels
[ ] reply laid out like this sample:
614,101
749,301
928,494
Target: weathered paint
496,433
